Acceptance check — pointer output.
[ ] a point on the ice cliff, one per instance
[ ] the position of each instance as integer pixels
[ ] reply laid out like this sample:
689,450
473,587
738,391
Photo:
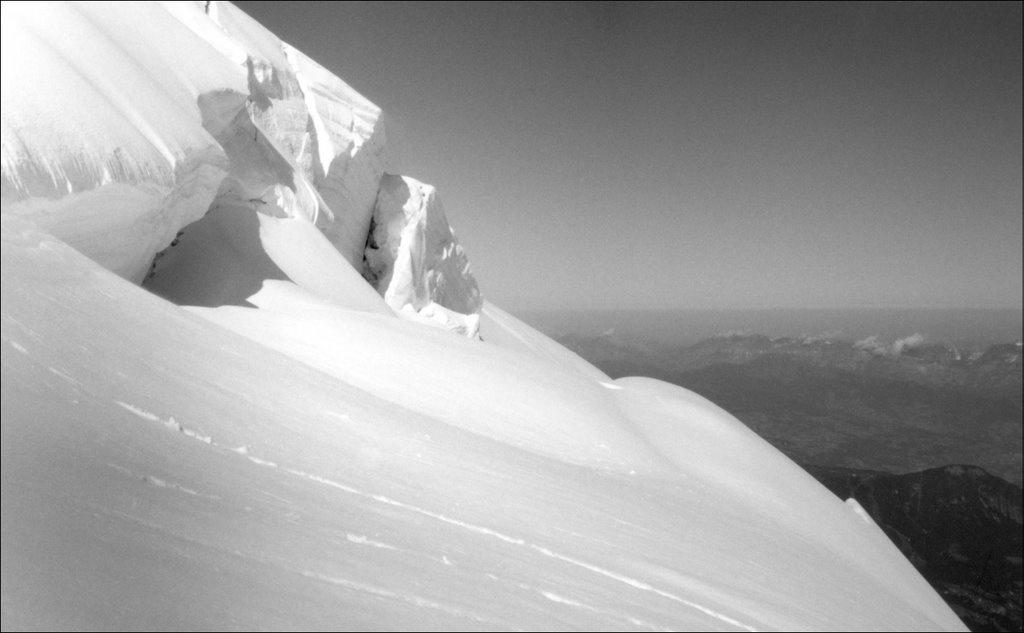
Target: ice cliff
234,132
248,381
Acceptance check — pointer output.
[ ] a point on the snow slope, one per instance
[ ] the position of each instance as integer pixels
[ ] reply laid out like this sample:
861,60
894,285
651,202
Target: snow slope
282,440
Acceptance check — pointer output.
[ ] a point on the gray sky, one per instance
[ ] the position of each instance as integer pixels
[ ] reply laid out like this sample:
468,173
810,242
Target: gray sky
703,155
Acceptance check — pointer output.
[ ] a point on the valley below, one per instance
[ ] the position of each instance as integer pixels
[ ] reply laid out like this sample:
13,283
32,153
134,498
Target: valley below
926,437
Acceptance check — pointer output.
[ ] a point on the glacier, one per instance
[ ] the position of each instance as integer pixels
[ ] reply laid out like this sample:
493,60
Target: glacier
249,381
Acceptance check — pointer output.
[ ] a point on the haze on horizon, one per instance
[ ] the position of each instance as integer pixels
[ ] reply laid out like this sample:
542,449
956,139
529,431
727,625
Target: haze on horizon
703,155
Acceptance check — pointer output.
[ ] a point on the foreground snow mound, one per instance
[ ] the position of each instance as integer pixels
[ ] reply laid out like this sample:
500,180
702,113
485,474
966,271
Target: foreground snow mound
291,455
449,378
152,459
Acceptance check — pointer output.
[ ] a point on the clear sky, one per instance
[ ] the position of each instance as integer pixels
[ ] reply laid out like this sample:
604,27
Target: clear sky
703,155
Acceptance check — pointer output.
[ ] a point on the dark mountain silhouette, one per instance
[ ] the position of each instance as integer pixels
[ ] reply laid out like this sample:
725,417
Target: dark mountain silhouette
959,525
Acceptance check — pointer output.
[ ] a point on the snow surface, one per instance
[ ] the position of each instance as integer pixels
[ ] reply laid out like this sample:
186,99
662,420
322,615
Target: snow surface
291,451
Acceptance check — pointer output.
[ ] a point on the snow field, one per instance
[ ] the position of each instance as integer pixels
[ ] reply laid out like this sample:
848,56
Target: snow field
297,449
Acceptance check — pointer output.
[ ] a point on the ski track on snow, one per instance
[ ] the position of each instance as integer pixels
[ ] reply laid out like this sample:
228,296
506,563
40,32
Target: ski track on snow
170,422
413,599
142,413
471,527
161,483
576,604
65,377
359,539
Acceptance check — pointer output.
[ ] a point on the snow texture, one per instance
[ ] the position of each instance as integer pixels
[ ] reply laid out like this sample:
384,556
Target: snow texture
278,436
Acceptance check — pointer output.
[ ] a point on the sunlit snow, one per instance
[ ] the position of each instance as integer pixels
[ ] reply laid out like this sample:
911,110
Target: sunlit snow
306,416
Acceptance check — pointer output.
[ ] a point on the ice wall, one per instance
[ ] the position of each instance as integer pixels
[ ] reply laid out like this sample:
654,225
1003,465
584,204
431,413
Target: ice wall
414,260
178,144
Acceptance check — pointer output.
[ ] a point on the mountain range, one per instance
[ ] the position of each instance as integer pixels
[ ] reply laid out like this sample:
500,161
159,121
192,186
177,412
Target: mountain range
891,426
959,525
849,404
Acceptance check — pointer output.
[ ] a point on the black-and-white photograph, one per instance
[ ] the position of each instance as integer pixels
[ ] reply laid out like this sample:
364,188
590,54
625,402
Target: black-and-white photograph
534,316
